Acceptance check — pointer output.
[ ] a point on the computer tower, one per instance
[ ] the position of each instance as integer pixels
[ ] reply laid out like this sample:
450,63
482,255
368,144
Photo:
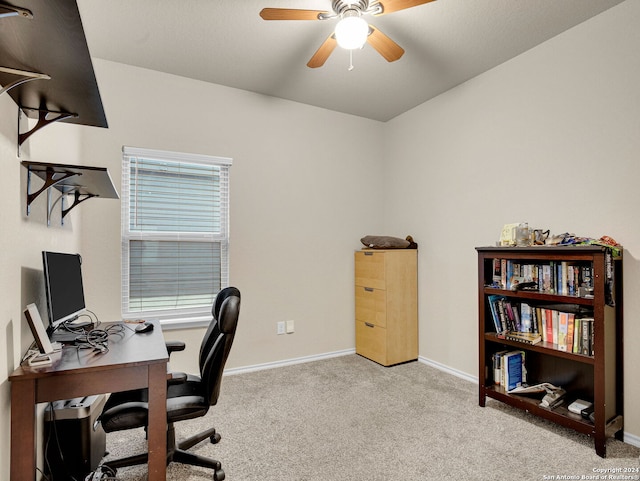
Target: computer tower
74,442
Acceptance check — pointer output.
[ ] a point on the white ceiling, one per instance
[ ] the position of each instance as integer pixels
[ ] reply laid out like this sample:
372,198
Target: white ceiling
226,42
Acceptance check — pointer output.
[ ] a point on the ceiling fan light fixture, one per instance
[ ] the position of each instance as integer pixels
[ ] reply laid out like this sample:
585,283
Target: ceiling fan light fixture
351,31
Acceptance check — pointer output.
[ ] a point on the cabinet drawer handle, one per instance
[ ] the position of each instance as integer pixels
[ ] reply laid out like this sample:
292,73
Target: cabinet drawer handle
368,253
368,324
368,289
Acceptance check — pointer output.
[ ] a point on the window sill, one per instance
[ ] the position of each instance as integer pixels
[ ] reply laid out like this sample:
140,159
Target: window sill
185,323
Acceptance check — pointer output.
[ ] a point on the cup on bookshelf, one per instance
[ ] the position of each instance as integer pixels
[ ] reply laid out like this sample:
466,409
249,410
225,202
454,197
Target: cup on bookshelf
523,235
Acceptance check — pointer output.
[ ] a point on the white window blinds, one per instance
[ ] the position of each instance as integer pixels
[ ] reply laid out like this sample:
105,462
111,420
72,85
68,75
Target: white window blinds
175,223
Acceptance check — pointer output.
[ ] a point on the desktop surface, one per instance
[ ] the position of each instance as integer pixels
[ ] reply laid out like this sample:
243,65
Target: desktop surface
126,347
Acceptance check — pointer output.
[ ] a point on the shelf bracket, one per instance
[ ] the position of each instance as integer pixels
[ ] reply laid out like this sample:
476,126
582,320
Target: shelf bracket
23,76
11,11
76,200
50,181
45,117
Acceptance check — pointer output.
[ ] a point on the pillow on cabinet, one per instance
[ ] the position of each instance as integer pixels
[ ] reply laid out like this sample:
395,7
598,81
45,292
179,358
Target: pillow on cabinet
388,242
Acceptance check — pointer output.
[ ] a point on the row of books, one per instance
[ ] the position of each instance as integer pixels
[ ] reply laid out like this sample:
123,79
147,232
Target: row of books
508,369
530,324
563,278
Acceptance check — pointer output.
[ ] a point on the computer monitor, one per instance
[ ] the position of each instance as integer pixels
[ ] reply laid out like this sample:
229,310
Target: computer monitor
63,286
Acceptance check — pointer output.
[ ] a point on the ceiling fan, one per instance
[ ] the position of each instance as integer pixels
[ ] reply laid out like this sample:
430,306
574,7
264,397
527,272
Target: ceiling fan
352,31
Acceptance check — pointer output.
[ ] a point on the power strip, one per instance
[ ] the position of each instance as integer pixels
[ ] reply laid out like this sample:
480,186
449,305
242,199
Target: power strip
97,475
101,473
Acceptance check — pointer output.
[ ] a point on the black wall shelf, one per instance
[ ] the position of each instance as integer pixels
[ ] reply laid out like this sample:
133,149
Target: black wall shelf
81,181
47,36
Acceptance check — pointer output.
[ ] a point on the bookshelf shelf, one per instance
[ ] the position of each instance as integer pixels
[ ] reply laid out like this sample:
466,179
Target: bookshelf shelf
560,415
540,296
593,371
547,348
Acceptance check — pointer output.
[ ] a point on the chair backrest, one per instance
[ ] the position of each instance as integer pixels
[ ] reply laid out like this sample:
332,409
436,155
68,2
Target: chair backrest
212,367
213,331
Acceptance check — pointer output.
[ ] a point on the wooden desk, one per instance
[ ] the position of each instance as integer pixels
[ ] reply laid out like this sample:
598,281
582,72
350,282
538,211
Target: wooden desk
133,361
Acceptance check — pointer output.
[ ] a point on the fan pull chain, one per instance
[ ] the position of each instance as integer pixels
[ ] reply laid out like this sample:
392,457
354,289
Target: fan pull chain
350,60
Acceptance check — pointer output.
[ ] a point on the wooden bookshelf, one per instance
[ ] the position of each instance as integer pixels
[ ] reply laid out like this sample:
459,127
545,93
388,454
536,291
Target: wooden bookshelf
595,376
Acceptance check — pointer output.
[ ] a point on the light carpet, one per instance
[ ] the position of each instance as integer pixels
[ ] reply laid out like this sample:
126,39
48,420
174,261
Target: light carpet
347,418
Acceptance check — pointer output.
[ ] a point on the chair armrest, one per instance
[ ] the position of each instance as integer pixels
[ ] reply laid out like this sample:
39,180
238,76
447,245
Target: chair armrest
174,346
176,378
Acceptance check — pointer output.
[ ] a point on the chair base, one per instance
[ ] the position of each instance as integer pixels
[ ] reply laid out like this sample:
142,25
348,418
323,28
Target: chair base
177,453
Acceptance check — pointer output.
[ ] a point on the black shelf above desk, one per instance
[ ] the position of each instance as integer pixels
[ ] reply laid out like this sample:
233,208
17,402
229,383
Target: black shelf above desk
49,41
83,182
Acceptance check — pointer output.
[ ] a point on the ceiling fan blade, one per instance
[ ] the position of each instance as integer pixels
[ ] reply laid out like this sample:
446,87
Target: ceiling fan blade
290,14
390,6
386,47
322,54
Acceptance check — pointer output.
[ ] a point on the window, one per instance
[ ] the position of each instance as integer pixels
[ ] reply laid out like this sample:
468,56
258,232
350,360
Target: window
175,234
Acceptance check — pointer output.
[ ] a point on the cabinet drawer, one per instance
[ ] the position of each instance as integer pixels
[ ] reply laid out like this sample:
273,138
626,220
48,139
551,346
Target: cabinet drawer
370,270
371,305
371,342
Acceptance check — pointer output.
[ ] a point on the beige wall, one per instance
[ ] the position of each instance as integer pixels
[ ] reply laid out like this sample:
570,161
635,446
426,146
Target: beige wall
552,138
305,186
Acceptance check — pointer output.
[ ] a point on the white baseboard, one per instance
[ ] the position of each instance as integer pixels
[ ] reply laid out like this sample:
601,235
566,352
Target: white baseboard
447,369
632,439
287,362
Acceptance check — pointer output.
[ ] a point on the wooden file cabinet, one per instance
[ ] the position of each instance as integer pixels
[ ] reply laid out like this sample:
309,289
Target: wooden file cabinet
386,293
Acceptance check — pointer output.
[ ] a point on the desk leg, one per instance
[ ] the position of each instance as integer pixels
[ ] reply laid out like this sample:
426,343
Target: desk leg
157,432
23,427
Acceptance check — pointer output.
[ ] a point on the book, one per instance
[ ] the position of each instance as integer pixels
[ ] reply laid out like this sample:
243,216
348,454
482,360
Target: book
526,321
526,337
570,331
534,389
587,336
497,272
562,278
543,320
509,315
513,370
563,329
577,336
495,313
497,366
546,278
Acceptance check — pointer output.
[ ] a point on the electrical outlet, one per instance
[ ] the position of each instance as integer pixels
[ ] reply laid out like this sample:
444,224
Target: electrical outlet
290,327
281,328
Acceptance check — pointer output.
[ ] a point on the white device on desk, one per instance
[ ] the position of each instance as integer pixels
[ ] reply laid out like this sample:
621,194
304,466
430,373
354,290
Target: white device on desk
40,335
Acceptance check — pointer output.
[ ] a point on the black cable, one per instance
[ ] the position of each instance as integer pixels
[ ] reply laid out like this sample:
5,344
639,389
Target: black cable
44,476
29,352
98,339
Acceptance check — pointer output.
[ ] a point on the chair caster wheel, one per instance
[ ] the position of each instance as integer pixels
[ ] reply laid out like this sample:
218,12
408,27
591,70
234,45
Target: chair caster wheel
218,475
215,438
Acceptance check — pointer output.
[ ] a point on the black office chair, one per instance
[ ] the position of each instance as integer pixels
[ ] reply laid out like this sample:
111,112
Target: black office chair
188,396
